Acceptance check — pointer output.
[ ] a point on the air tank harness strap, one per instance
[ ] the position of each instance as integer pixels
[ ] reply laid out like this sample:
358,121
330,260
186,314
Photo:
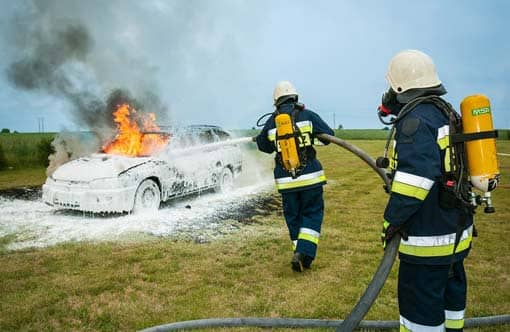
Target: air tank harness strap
459,138
302,150
286,136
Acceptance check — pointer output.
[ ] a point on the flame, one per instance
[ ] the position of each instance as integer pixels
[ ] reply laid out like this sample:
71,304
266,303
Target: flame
132,139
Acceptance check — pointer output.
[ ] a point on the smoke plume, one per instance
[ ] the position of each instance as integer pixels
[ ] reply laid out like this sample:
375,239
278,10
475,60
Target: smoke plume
69,146
55,53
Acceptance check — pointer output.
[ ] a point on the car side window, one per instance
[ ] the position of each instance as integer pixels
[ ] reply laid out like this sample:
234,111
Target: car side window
206,136
196,136
221,135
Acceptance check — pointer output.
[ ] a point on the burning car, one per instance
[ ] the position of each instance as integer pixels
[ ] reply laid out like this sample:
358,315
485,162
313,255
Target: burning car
141,172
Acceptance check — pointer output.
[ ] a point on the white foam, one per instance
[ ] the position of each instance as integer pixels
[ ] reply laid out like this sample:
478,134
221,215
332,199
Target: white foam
34,224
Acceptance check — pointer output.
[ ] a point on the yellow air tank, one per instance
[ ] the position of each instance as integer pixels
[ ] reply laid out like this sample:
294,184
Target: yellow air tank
481,153
287,142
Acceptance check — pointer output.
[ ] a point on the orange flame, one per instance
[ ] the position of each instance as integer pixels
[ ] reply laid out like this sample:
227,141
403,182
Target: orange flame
131,140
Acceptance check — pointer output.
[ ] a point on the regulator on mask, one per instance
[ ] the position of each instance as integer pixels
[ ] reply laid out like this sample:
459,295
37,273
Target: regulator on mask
389,105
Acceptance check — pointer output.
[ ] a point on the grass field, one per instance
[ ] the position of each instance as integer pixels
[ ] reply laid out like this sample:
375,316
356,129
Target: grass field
26,150
134,285
24,177
30,150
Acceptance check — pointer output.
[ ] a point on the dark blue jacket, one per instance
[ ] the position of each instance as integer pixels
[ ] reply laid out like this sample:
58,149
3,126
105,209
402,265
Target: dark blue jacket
422,139
310,124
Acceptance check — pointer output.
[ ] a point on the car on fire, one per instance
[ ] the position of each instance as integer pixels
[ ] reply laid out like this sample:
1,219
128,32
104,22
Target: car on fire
196,159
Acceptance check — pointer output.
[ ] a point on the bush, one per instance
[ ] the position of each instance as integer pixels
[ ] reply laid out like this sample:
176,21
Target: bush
5,131
26,150
3,160
504,134
44,149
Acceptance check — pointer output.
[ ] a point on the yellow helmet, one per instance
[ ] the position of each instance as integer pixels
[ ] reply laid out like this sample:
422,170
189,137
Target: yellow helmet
282,89
411,69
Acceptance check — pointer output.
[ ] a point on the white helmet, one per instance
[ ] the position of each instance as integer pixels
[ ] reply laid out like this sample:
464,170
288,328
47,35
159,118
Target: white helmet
411,69
284,88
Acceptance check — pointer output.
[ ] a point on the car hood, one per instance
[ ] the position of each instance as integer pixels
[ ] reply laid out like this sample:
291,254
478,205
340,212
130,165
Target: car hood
96,166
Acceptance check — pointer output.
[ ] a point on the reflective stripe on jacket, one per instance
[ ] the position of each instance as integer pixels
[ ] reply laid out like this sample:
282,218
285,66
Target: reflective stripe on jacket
420,157
310,124
436,246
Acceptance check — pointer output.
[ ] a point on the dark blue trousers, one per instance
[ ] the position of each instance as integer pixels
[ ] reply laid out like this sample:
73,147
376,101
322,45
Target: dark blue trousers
431,295
304,212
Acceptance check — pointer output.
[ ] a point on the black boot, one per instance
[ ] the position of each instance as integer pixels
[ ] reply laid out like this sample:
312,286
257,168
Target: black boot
307,261
297,262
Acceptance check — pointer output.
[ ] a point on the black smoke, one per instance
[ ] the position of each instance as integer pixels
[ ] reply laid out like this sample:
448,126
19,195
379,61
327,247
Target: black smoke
56,54
40,68
43,68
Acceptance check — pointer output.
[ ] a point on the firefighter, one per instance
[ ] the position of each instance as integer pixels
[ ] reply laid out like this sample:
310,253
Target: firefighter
431,278
301,188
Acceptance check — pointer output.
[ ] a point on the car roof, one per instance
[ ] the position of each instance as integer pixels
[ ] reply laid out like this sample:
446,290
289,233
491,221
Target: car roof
190,128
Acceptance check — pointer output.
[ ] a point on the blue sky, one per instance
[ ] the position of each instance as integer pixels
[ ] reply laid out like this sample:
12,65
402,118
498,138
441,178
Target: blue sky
217,62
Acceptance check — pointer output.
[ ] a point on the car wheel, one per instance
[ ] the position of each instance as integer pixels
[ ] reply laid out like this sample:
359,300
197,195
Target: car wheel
147,197
226,180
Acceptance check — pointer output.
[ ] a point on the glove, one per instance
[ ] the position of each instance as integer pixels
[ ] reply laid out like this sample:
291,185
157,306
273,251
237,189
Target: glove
254,138
388,231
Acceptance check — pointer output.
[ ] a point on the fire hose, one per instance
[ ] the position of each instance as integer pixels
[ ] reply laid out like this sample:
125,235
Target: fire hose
354,319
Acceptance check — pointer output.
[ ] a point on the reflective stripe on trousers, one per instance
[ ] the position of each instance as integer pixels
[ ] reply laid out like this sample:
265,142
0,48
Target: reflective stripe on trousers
301,181
454,319
309,234
408,326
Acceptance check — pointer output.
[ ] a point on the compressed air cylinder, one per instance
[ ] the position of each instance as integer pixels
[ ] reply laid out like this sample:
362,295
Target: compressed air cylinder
481,153
287,142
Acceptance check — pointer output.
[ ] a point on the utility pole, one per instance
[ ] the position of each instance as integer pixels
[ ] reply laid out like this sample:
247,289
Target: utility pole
40,124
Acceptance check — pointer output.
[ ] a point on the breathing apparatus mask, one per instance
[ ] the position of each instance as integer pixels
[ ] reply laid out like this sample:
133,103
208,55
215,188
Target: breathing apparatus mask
389,106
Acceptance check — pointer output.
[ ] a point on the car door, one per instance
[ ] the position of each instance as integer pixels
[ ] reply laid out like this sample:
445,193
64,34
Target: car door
178,178
210,158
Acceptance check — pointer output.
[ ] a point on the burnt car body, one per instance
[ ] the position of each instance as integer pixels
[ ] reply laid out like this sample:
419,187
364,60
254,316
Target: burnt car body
195,160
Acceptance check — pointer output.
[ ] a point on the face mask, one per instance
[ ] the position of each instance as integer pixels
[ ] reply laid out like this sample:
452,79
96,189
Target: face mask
389,104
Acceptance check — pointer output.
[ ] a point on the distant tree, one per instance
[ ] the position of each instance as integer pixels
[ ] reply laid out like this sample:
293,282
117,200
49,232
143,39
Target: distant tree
5,131
340,126
386,128
3,160
252,128
44,149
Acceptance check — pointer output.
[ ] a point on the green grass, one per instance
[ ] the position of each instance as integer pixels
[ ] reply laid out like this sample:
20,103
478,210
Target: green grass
129,286
362,134
504,134
23,150
30,150
24,177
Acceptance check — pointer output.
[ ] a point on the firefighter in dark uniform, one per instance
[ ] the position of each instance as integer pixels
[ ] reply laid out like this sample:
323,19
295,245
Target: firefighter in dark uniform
302,195
431,278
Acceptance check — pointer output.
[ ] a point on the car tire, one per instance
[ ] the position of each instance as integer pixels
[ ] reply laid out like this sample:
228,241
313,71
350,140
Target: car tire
225,181
147,197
